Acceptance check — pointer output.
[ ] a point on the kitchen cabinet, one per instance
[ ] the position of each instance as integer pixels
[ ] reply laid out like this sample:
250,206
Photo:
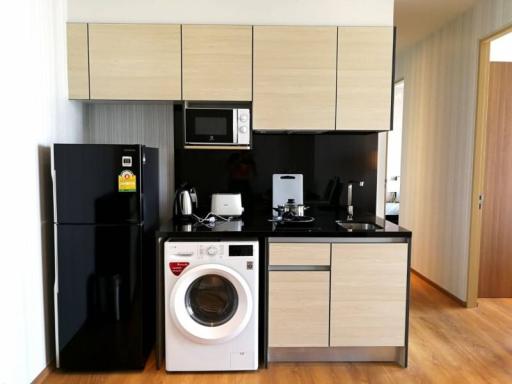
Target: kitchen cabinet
365,69
78,61
298,308
299,294
294,78
368,295
135,61
300,254
217,62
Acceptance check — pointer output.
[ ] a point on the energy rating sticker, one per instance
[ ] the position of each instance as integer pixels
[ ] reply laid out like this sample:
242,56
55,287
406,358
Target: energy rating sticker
127,181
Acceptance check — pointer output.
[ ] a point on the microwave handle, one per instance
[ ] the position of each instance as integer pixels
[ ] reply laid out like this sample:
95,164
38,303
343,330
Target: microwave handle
235,125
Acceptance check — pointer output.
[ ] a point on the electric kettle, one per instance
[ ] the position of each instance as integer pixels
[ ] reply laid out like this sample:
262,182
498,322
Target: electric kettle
185,202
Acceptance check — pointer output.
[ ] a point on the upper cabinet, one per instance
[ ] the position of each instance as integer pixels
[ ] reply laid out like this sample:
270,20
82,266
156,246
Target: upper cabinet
217,62
294,78
299,78
78,61
135,61
365,69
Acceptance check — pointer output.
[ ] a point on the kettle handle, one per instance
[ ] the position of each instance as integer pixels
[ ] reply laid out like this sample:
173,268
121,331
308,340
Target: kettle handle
193,197
180,201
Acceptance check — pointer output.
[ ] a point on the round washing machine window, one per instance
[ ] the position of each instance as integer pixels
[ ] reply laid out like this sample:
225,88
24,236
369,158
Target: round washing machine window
211,300
211,304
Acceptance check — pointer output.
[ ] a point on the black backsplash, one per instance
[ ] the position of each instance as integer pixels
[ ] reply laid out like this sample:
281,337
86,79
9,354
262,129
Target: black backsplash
321,158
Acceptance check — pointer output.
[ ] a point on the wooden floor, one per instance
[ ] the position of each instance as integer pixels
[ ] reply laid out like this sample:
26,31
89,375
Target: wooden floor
448,344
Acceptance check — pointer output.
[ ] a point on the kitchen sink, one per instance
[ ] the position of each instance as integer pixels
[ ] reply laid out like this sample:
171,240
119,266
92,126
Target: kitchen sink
349,226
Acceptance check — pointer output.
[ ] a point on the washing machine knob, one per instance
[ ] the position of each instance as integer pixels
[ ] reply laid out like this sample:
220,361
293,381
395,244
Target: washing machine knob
211,250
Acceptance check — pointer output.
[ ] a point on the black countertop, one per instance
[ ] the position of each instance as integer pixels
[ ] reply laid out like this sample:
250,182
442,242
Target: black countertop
258,225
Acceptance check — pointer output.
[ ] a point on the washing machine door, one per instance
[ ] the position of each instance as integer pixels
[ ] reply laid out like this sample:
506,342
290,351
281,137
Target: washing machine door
211,304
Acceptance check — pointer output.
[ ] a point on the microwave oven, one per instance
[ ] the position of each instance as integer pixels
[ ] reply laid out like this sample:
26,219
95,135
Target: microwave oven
217,127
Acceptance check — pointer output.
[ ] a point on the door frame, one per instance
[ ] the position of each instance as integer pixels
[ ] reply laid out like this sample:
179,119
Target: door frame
479,160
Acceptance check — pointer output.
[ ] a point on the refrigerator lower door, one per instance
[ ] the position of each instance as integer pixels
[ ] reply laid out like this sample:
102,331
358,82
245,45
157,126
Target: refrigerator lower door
99,297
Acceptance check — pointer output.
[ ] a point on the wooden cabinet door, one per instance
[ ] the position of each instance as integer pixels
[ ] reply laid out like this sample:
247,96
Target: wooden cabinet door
299,254
217,62
298,309
365,66
78,61
368,295
135,61
294,78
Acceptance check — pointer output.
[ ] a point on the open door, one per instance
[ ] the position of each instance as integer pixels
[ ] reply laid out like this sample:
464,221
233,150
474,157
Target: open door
490,261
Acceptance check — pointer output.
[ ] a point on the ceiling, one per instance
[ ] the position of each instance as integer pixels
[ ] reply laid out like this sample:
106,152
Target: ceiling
416,19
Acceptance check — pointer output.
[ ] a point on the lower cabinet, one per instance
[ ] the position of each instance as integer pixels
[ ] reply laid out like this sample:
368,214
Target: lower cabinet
359,300
298,308
368,295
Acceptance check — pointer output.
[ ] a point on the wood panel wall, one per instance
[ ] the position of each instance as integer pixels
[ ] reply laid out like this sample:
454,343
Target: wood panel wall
439,124
137,123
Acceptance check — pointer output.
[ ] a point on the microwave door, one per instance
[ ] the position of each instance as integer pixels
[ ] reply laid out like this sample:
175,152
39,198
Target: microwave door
210,126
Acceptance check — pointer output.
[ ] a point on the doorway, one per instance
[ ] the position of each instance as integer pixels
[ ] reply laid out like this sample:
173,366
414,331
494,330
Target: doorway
394,156
490,258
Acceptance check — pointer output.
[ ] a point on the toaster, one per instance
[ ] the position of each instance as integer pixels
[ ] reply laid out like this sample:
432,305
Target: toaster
227,204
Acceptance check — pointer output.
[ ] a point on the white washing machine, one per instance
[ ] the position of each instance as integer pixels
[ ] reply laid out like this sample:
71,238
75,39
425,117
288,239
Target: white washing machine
211,313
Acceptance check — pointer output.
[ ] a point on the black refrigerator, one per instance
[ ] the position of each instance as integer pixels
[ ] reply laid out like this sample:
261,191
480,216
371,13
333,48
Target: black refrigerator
105,215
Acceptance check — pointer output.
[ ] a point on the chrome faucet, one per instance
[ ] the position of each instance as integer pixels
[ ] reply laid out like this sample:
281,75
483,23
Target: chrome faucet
350,207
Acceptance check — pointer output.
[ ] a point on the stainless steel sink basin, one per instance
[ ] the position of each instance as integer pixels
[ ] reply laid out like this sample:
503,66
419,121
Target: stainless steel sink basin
358,226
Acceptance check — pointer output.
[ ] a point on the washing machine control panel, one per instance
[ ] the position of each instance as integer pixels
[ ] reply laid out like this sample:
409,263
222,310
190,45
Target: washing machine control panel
211,250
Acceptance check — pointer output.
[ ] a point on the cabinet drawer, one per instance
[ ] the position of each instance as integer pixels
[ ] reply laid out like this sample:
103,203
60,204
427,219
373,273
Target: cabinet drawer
299,309
300,254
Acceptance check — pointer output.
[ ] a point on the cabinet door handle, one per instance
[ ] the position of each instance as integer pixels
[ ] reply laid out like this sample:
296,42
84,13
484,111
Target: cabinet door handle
299,268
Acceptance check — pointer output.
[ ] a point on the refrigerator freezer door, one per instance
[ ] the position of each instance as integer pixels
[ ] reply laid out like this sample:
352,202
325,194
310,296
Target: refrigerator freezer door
97,184
99,300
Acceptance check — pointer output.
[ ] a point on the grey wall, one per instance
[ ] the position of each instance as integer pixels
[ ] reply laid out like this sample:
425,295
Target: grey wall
438,136
137,123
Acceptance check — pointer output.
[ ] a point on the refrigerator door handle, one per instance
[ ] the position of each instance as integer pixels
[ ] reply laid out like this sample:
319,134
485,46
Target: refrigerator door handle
54,185
56,259
56,296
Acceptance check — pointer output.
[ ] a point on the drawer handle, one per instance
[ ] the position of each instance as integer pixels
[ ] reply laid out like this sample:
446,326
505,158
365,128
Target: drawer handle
299,268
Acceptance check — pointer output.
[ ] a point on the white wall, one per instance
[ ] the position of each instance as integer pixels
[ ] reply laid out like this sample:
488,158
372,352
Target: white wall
307,12
438,136
34,112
